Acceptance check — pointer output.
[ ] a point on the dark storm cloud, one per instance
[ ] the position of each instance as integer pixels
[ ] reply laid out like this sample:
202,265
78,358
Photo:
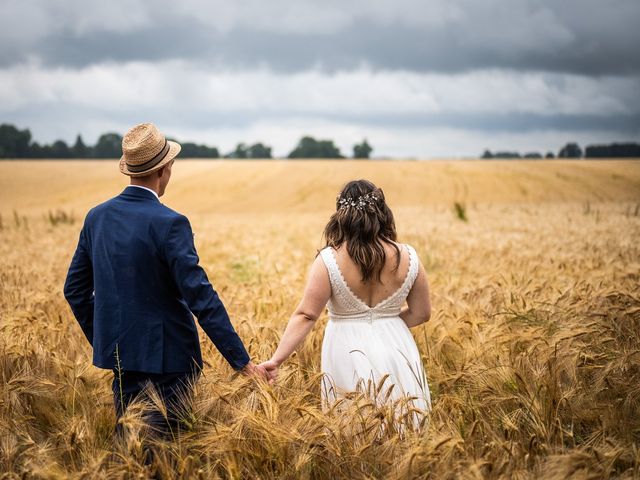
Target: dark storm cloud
590,38
380,47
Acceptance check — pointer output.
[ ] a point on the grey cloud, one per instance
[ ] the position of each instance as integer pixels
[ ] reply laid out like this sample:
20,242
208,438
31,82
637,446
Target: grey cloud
511,122
591,38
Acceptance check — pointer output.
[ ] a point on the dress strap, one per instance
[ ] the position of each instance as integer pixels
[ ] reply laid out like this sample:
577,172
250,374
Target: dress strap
414,265
332,267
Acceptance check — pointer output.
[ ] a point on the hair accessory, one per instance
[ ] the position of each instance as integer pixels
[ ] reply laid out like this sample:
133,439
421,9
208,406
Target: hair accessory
360,203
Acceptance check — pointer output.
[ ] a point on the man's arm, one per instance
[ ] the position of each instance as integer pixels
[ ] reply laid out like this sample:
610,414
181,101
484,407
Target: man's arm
203,301
78,287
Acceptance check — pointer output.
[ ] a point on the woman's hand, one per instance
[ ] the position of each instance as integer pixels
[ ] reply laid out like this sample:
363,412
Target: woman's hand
271,367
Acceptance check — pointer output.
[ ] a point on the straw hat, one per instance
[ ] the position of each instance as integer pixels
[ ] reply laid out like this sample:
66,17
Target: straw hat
145,150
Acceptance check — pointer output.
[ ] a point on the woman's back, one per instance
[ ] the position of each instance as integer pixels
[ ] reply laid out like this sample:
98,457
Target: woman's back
379,299
372,292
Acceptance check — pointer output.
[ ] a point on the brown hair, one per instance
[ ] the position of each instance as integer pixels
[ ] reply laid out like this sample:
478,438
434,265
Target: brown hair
364,221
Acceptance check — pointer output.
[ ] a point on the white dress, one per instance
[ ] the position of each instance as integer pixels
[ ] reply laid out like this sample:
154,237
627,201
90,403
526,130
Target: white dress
362,344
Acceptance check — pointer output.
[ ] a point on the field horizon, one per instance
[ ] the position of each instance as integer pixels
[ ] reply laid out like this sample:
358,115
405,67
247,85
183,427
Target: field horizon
429,182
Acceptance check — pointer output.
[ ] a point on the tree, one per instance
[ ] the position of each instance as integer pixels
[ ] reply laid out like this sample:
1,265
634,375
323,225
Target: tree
550,155
487,154
362,150
506,155
109,146
60,149
79,149
35,150
570,150
258,150
14,143
191,150
239,152
613,150
532,155
309,147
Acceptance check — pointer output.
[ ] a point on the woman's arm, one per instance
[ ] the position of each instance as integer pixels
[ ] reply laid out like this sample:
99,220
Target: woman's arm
418,309
314,299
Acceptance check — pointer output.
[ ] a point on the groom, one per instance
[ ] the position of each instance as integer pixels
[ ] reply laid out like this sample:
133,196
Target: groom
134,282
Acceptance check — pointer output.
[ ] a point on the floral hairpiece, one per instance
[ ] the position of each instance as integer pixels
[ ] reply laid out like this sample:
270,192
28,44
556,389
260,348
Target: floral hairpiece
360,203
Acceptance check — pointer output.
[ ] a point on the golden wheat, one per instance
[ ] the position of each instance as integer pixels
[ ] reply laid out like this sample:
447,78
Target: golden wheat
532,353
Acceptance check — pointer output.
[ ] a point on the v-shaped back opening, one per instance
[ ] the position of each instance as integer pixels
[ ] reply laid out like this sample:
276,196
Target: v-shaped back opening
356,297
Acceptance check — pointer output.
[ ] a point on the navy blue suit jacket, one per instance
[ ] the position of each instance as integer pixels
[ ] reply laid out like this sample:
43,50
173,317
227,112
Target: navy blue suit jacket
133,284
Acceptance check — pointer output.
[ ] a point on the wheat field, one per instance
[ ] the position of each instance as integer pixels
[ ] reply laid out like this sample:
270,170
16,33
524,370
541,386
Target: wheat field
532,352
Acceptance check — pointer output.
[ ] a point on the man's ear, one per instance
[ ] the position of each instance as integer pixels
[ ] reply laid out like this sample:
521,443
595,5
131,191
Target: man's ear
161,172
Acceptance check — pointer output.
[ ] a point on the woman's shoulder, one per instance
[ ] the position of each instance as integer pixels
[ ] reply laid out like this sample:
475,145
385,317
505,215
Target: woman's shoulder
325,254
411,251
409,246
403,246
325,250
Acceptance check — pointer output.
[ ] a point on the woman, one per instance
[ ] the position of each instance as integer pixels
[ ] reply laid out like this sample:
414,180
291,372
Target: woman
366,278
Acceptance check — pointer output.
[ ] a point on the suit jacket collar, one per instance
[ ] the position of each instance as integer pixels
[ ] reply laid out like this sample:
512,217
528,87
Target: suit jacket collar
139,193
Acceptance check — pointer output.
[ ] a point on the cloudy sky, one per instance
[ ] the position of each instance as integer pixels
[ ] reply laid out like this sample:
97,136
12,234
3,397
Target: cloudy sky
416,78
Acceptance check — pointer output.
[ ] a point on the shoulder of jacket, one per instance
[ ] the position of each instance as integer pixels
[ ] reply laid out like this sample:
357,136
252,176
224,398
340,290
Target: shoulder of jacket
168,214
93,212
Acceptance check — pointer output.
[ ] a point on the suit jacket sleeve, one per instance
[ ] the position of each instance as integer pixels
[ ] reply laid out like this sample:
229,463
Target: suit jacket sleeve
78,287
203,301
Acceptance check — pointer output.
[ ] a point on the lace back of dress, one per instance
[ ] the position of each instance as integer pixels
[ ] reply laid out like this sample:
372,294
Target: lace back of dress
344,302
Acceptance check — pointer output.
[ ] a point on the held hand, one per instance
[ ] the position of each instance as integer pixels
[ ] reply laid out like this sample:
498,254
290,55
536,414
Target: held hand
256,371
271,367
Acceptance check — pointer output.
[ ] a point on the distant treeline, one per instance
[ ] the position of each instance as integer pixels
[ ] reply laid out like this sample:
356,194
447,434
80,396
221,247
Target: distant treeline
16,143
573,150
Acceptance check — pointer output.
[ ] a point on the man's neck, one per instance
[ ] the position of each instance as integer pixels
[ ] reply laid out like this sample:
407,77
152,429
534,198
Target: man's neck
145,186
150,185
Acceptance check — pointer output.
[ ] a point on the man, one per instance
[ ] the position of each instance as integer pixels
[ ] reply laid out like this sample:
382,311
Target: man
134,282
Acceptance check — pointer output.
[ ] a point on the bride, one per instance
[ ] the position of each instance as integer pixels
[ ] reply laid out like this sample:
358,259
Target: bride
366,278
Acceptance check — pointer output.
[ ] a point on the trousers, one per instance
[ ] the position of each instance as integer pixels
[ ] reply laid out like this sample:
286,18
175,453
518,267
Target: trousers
175,390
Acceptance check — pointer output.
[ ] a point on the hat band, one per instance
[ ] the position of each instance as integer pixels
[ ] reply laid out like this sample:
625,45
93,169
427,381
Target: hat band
152,162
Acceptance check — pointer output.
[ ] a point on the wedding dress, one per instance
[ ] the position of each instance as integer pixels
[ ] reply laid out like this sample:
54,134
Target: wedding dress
362,344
